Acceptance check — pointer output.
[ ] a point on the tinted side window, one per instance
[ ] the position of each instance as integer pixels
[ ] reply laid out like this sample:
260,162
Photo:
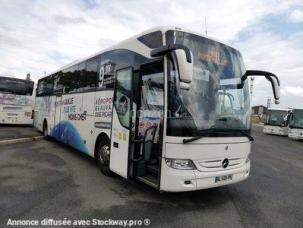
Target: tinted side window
66,80
111,61
58,86
82,74
91,73
45,86
75,79
106,74
152,40
76,83
72,79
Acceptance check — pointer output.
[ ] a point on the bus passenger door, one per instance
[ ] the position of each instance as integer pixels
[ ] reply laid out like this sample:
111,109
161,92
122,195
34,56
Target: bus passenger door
121,122
149,123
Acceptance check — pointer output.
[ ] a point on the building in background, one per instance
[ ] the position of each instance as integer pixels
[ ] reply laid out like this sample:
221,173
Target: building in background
259,113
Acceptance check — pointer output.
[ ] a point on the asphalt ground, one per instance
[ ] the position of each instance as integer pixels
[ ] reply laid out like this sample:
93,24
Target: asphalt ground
17,131
45,179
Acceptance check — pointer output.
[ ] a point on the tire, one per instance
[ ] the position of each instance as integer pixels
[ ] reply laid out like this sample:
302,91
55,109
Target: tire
103,156
45,130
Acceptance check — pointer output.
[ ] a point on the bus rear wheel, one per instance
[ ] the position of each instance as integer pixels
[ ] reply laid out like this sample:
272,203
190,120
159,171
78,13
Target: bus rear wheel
103,156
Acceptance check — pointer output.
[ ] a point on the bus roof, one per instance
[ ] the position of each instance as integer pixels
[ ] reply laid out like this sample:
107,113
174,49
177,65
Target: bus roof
124,44
279,109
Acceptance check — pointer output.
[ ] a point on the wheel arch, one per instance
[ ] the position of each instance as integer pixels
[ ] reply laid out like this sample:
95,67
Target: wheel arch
44,123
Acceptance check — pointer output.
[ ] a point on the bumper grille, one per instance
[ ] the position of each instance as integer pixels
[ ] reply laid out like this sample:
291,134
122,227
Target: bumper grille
216,164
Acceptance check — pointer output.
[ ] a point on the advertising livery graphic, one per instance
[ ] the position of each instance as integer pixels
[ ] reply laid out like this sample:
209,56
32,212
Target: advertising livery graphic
12,99
64,130
16,109
67,133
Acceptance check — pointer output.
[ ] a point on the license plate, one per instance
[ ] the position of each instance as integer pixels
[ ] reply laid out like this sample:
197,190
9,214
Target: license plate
28,114
223,178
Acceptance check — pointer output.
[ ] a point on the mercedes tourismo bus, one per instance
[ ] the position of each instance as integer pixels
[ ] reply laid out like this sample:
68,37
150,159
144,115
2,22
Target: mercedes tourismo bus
16,101
296,124
277,121
168,107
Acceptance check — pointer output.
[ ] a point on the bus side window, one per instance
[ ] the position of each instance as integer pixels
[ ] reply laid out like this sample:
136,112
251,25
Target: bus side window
82,75
91,73
58,86
40,88
106,74
66,80
110,62
45,86
70,79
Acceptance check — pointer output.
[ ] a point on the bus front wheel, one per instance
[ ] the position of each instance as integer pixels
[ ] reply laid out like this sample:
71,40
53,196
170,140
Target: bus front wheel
103,155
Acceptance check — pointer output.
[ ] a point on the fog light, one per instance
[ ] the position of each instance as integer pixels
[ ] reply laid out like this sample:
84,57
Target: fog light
187,182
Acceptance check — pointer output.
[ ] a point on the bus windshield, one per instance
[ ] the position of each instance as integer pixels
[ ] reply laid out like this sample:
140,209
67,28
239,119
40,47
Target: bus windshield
297,119
213,99
16,86
277,117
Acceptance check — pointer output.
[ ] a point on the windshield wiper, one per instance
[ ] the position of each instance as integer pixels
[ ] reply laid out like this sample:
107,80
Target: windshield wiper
203,132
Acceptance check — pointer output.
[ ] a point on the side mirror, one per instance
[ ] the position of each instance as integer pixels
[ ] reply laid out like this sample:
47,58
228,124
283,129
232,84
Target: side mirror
184,59
272,78
186,69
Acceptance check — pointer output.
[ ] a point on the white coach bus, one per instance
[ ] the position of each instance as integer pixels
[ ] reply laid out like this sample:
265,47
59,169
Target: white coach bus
16,101
277,121
296,124
169,108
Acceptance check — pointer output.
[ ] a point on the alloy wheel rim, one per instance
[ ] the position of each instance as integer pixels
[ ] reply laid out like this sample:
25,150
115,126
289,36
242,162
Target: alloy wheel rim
104,155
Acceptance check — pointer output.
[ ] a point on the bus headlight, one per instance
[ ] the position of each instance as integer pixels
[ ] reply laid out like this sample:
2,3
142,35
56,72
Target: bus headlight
184,164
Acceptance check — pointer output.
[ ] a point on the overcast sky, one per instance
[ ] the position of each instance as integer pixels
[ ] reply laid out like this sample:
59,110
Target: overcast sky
40,36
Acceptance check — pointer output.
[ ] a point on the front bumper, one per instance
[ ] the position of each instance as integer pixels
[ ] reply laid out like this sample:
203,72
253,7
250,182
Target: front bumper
295,135
16,121
15,118
274,130
174,180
